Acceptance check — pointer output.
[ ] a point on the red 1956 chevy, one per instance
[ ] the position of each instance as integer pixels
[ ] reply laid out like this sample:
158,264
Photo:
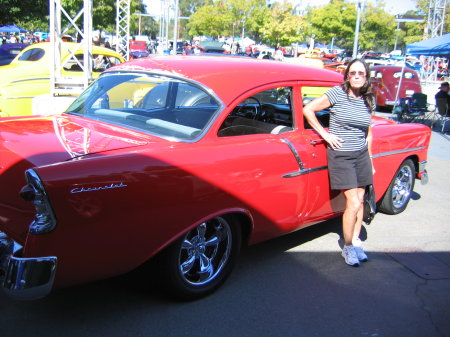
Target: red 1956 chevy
183,159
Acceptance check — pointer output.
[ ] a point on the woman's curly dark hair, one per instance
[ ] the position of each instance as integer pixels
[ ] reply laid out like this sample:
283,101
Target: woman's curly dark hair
366,90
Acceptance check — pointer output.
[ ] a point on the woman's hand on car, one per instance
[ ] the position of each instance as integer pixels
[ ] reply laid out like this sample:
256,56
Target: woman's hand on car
334,141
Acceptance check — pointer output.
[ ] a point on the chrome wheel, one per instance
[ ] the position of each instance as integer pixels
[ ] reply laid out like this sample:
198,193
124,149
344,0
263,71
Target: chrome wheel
205,251
402,188
200,261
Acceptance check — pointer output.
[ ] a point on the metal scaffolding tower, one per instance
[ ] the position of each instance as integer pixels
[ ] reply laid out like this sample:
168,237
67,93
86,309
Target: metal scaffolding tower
434,28
60,85
123,28
436,18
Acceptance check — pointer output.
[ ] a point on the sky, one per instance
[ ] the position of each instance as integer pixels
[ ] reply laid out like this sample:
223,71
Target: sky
391,6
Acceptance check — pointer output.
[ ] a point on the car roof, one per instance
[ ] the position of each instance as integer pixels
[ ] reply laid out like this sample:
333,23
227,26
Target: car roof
69,47
227,76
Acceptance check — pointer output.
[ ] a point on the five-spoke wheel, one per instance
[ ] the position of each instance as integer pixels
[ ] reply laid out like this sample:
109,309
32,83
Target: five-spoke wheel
200,261
399,192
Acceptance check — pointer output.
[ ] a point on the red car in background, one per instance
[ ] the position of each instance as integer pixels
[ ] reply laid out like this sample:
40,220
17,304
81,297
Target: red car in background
179,159
138,49
386,81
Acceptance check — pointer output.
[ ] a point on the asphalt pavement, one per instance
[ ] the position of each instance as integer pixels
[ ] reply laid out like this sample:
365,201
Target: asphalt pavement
296,285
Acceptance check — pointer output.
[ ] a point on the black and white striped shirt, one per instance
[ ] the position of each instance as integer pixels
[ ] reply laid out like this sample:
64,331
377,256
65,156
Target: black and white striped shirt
349,119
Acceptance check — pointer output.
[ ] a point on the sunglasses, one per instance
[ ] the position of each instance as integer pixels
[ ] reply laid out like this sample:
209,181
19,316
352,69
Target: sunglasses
359,73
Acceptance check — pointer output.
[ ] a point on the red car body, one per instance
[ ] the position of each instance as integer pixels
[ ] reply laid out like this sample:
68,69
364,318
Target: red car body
120,185
386,80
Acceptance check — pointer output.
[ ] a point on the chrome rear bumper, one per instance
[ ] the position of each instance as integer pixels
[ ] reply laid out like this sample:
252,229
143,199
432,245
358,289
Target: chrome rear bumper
24,278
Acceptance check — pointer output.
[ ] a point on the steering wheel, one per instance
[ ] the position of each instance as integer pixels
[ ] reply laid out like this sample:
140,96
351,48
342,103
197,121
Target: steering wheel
257,109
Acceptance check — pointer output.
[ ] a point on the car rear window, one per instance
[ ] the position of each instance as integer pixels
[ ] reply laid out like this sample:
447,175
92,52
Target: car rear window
160,105
34,54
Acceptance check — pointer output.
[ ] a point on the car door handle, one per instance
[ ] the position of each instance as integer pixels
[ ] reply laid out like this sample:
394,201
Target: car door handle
317,141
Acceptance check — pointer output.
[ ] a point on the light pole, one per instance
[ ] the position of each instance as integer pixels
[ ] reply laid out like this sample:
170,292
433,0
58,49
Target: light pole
175,28
359,4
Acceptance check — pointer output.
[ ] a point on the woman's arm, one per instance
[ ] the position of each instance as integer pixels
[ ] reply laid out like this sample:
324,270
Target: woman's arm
309,111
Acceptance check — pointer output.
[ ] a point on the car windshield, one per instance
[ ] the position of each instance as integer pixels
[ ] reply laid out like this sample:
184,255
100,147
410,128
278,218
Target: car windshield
165,106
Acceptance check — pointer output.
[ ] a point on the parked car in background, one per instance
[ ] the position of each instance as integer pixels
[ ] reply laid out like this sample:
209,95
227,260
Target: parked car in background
41,35
386,81
158,159
28,75
138,49
9,51
211,47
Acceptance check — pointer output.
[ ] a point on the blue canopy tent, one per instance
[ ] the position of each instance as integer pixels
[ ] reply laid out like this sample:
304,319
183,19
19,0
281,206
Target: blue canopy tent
438,46
12,29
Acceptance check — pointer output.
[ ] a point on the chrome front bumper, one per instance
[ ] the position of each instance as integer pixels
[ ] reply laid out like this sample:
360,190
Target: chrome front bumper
422,173
24,278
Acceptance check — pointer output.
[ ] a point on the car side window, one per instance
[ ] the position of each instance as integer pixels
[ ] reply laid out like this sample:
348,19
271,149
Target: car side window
266,112
34,54
406,74
101,62
310,93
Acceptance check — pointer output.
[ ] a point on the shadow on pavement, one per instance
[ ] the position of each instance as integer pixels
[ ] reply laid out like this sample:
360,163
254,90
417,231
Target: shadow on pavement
278,288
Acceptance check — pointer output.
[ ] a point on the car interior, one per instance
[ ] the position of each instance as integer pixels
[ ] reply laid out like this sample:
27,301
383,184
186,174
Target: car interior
267,112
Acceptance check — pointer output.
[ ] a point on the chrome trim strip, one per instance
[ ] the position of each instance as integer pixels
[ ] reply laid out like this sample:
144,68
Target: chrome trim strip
294,152
397,151
18,97
31,79
302,170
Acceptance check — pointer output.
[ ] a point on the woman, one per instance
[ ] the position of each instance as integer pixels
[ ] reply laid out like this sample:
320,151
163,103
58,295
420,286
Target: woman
349,142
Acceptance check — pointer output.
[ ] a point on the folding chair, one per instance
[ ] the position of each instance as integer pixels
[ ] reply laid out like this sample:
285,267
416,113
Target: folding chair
414,108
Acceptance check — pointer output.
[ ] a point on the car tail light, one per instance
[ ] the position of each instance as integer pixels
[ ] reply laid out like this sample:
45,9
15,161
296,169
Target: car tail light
45,220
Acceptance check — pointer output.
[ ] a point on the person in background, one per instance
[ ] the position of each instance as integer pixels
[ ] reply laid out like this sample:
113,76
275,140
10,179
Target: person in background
349,141
443,92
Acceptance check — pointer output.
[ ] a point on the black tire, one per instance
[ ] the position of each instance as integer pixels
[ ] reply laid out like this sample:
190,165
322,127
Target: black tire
399,192
216,244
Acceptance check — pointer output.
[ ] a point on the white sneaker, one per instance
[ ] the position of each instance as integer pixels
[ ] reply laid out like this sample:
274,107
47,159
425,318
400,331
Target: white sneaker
360,254
349,254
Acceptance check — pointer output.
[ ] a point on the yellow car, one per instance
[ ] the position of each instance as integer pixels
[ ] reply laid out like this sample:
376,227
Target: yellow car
28,75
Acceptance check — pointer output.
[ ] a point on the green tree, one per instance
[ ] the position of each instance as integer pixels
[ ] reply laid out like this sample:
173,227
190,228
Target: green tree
34,15
282,26
27,14
231,18
104,13
338,20
209,20
377,29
